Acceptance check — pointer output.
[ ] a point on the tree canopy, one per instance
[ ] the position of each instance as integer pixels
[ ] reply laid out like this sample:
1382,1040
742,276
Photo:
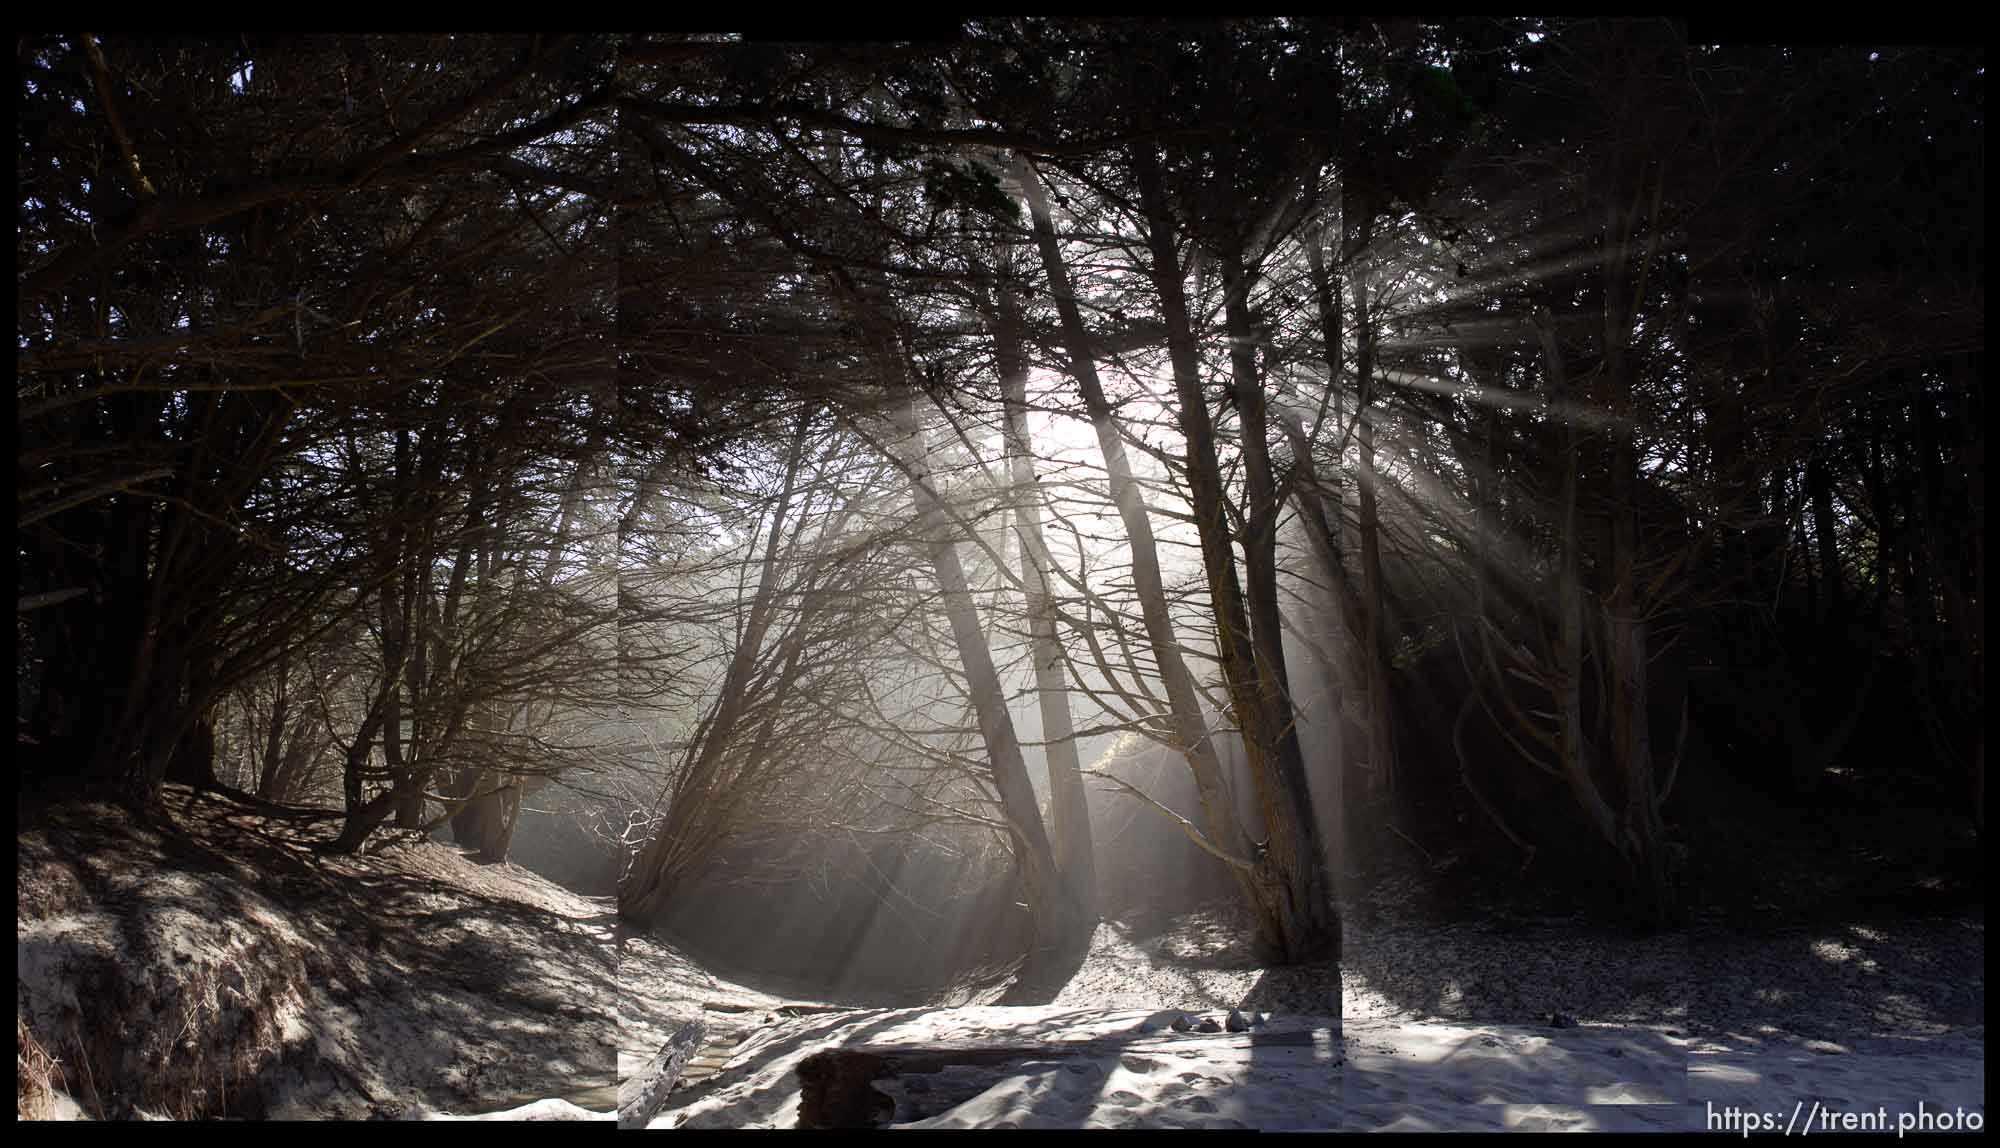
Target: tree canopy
784,440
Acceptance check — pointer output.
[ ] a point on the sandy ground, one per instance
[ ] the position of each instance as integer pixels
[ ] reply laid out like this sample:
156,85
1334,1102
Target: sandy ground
213,964
1390,1061
1353,1075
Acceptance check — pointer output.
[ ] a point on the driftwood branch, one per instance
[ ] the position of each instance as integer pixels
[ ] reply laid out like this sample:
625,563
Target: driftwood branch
837,1085
643,1094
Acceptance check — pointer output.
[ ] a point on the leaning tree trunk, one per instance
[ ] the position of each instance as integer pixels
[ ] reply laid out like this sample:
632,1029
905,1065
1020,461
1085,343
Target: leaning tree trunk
669,853
643,1094
363,817
1069,815
1054,915
1339,665
1190,730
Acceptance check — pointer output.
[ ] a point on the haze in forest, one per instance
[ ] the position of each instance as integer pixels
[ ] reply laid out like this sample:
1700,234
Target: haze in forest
875,516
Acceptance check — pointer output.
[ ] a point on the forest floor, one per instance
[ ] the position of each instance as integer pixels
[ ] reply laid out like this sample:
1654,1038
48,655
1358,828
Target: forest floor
213,963
1834,958
1430,1024
1439,1019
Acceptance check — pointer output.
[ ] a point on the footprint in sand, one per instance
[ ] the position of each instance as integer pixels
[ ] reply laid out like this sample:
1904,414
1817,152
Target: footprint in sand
1140,1064
1124,1099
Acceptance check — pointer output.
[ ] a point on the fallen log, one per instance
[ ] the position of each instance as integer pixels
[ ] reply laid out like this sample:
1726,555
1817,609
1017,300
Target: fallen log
643,1094
837,1085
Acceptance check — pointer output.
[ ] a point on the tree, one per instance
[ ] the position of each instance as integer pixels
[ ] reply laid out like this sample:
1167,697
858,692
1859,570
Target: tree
1070,819
200,312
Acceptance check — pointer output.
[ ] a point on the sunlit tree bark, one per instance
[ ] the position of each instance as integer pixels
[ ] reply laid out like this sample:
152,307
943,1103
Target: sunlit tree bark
1056,916
1189,729
1069,817
1297,919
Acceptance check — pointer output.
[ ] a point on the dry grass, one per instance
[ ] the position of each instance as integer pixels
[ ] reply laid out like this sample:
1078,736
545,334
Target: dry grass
202,1008
38,1076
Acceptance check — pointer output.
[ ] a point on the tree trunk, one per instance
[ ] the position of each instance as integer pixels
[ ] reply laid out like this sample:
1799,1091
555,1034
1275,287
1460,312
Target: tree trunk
362,821
1375,650
267,775
1278,767
287,780
1644,837
363,817
1340,664
1326,295
1055,917
497,828
403,597
1820,488
1318,495
1296,919
1069,815
1190,730
669,853
193,761
478,822
1573,738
